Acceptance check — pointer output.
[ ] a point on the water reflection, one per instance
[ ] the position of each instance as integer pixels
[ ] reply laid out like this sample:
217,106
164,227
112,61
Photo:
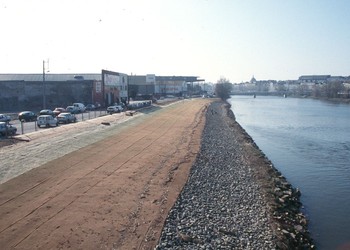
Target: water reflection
309,142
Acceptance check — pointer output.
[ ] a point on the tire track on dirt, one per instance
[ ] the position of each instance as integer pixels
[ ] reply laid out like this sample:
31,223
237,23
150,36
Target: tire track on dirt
37,186
71,166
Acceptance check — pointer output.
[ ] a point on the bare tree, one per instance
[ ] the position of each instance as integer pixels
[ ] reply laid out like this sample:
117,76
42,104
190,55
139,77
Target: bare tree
223,88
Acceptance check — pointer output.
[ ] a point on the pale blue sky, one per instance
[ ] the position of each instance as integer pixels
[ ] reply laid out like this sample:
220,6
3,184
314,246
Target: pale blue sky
270,39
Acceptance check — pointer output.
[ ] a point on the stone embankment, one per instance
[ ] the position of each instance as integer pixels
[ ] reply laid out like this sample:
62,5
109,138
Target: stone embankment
234,197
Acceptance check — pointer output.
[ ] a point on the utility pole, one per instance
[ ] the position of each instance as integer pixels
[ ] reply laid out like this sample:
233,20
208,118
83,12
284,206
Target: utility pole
44,94
44,83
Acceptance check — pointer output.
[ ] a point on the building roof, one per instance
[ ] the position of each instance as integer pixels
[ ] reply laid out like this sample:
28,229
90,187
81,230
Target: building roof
179,78
50,77
314,77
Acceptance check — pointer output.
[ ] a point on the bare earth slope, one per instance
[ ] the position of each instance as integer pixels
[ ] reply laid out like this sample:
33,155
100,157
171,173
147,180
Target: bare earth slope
113,192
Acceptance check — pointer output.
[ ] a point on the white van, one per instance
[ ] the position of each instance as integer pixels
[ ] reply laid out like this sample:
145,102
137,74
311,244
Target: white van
81,107
47,121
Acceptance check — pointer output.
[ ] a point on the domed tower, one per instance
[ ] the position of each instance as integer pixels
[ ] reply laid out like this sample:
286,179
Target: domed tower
253,80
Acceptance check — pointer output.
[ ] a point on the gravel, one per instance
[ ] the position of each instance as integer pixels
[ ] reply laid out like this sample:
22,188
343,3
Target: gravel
222,205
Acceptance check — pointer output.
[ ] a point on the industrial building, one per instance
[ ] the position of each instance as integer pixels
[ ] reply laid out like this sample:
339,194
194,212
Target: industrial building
39,91
157,86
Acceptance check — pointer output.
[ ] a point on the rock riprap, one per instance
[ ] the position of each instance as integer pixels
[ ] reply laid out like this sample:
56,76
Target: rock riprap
226,204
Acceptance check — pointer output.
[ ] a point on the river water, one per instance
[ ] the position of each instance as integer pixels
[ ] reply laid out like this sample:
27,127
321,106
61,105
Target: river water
309,142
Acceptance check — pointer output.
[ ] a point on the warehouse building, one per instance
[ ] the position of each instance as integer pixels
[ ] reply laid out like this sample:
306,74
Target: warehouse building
157,86
39,91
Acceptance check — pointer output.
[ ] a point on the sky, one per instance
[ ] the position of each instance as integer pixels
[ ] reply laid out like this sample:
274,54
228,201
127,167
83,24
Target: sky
211,39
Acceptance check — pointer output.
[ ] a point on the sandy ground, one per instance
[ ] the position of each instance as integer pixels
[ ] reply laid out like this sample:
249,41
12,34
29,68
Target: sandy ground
94,186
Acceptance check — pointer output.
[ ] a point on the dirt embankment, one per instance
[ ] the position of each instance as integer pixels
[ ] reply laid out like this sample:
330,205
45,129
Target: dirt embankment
114,193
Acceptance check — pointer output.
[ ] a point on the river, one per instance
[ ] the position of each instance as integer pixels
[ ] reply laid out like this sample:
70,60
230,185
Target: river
309,142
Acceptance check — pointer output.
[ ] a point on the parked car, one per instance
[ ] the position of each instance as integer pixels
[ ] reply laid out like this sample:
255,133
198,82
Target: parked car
81,107
72,110
58,111
121,106
7,129
113,109
27,116
90,107
47,121
66,118
4,118
46,112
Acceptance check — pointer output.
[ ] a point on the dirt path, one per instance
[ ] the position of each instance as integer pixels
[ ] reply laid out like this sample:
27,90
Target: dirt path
112,194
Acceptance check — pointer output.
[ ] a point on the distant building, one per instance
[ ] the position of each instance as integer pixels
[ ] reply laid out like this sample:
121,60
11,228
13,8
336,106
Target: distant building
114,87
37,91
142,85
253,80
152,85
314,78
337,79
208,88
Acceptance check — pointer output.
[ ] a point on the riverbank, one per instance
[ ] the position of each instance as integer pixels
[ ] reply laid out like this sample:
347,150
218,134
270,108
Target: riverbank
111,182
234,197
334,100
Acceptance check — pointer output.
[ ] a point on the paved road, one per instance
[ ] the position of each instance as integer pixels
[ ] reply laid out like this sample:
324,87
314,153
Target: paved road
113,193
